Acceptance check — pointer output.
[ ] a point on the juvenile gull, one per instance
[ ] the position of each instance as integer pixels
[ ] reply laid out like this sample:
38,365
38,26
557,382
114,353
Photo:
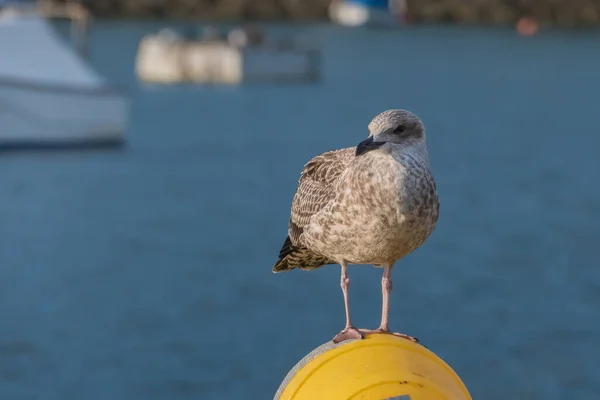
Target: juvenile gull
369,204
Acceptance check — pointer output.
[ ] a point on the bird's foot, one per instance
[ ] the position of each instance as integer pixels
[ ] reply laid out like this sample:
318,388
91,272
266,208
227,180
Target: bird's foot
387,331
347,334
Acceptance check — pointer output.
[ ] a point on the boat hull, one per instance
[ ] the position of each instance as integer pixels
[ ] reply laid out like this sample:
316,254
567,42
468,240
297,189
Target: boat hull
49,95
355,14
42,115
167,61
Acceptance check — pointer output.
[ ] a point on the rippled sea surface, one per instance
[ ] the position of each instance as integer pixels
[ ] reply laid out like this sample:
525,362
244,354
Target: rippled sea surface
146,273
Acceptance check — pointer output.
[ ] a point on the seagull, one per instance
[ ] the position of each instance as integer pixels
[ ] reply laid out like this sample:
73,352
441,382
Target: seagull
369,204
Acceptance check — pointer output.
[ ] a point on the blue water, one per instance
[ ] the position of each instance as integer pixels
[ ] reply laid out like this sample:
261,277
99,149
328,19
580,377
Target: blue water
146,273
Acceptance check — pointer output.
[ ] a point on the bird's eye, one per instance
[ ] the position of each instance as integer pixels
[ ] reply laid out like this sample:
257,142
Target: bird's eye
400,129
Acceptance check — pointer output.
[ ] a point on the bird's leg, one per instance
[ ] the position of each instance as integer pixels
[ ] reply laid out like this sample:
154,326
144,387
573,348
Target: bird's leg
349,332
386,288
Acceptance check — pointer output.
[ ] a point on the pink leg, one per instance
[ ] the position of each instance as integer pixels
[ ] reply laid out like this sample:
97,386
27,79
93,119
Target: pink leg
349,332
386,288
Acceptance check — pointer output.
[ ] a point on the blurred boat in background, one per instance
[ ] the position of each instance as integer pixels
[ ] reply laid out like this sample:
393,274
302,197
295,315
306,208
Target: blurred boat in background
49,95
368,13
244,56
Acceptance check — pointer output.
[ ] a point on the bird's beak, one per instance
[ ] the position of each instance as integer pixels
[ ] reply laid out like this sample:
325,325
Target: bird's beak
367,145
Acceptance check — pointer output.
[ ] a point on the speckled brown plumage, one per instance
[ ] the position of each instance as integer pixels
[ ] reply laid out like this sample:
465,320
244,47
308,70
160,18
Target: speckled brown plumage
370,204
315,190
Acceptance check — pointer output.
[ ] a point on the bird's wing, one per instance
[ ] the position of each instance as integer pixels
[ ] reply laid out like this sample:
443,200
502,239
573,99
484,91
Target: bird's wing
316,188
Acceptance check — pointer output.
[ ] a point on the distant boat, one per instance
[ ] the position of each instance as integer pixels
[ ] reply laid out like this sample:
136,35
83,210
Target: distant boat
245,55
49,96
368,13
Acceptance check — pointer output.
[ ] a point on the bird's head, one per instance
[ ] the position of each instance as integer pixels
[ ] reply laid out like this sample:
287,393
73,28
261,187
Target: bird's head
394,127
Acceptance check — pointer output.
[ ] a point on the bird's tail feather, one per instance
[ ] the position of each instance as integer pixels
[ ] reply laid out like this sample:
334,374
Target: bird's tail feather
291,257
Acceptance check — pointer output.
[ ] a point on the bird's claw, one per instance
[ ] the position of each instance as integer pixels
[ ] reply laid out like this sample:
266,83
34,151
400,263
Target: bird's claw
380,330
350,333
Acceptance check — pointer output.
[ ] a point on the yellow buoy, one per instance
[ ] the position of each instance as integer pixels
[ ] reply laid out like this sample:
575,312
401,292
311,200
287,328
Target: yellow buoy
381,366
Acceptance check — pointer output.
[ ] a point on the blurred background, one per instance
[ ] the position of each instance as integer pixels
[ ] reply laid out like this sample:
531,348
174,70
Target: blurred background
150,150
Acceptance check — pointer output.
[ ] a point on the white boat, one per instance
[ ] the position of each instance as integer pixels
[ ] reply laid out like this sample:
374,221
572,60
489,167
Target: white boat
242,57
49,96
368,13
